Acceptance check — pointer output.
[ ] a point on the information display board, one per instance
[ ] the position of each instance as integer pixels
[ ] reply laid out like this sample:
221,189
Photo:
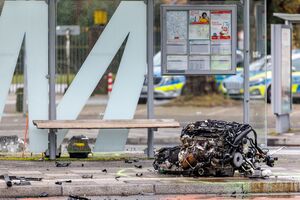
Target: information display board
282,69
198,39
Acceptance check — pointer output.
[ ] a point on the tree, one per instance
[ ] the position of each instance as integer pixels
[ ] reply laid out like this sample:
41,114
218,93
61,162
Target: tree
283,6
66,14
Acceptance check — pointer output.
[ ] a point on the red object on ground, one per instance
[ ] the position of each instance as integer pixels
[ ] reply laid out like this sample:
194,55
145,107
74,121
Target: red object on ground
110,83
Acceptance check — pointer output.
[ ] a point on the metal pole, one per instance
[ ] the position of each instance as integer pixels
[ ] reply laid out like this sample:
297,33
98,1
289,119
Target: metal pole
51,70
246,60
25,91
68,49
150,96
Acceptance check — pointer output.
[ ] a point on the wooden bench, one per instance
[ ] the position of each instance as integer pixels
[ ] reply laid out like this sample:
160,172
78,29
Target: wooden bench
108,124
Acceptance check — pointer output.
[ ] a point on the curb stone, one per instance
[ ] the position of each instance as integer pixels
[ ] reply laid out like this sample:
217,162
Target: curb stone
159,188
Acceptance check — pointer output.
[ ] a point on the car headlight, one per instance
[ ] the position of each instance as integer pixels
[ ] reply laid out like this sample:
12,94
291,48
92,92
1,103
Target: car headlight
255,92
255,82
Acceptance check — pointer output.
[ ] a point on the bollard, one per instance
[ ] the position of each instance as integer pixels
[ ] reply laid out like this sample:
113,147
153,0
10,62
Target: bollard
110,83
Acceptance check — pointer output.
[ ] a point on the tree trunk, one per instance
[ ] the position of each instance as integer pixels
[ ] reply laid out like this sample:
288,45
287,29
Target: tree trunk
200,85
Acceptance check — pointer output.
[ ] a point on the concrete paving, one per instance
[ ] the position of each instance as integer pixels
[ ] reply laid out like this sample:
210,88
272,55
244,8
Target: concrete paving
119,178
286,178
183,197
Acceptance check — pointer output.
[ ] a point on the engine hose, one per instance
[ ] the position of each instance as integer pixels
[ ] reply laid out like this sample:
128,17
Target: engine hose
254,145
242,135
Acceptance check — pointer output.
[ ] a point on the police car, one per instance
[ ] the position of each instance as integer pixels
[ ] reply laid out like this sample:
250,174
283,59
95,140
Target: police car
165,87
260,80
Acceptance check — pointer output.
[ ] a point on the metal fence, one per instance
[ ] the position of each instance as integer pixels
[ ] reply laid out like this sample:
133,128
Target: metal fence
80,46
66,69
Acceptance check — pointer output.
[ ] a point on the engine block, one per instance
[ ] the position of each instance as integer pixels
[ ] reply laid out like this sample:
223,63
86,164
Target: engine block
215,148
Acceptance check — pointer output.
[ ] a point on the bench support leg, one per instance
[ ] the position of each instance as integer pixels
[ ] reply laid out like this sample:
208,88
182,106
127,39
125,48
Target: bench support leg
150,152
52,146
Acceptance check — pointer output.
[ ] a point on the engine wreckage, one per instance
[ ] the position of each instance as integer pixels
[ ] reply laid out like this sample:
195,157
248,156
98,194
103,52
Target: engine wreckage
215,148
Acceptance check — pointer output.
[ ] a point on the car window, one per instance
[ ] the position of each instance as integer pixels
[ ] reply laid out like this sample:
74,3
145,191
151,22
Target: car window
257,65
269,66
167,81
156,59
156,80
296,64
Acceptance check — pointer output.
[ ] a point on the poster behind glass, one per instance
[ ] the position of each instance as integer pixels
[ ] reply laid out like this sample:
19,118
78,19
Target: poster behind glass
198,40
286,70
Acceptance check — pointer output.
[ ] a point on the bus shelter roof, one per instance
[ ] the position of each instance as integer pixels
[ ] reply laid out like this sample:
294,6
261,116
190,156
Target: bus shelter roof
288,17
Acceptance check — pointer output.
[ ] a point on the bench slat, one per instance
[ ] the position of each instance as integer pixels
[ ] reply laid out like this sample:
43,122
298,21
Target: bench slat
106,124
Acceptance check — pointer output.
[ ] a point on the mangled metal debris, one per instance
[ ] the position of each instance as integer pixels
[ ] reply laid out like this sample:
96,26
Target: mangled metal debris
78,147
11,144
62,164
18,180
76,197
215,148
61,182
87,176
7,180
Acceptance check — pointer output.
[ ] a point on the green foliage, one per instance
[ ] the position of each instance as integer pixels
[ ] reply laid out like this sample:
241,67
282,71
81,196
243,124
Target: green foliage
70,12
65,12
283,6
87,15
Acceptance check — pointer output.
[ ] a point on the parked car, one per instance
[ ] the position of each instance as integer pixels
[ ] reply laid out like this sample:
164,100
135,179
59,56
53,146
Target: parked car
165,87
233,85
239,68
260,80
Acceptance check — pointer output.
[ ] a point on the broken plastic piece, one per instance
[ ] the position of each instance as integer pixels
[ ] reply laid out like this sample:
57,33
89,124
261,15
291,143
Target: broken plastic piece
61,164
75,197
87,176
139,174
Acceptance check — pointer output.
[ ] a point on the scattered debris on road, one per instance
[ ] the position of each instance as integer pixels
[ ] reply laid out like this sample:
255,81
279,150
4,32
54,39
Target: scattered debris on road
128,161
18,180
61,182
138,166
12,144
7,180
75,197
62,164
21,182
87,176
139,174
44,194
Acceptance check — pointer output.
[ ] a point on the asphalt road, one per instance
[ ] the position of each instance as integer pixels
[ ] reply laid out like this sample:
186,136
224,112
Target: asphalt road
13,123
95,108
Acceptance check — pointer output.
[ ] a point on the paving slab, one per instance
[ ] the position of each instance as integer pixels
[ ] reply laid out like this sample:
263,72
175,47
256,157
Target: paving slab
121,180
